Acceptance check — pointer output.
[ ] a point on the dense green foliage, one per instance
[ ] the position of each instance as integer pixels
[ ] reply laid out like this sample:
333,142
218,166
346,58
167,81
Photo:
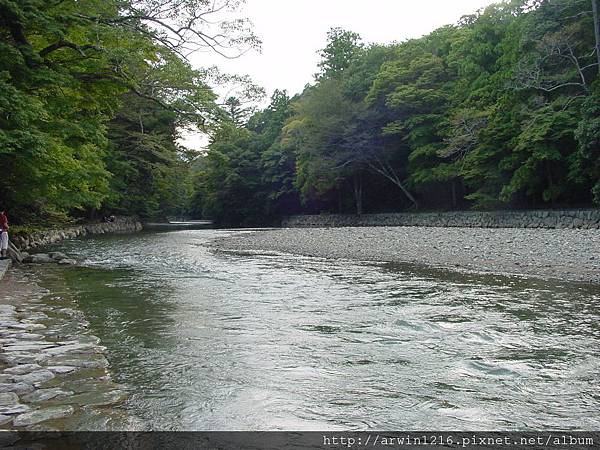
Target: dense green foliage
498,111
501,110
93,94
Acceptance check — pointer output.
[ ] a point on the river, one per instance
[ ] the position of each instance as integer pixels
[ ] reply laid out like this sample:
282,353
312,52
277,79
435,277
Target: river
227,341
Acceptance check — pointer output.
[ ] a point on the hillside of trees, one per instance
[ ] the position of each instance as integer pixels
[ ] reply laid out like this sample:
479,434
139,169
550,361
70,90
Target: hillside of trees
93,97
501,110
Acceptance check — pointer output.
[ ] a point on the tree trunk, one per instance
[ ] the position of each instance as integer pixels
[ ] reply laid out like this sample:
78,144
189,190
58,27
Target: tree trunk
454,193
358,192
597,30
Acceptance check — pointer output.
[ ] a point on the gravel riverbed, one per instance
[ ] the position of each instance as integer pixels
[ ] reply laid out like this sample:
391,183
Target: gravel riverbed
565,254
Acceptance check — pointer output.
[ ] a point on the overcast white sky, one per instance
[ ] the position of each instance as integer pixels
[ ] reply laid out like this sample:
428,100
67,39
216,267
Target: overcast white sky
293,31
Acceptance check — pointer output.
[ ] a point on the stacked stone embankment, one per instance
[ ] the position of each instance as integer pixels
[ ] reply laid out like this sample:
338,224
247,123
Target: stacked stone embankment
46,237
580,218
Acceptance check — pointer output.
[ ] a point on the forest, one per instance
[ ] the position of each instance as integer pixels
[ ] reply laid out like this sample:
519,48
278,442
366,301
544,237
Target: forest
498,111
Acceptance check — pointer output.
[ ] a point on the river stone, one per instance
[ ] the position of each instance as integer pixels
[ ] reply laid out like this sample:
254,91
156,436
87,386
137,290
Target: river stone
7,378
67,262
27,347
8,399
7,309
4,420
41,415
29,336
41,395
39,258
83,363
17,388
22,369
98,398
71,348
14,409
39,376
11,324
61,369
20,358
26,326
34,326
57,255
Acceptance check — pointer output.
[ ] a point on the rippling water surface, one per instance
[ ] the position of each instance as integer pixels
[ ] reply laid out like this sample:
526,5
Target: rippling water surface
207,341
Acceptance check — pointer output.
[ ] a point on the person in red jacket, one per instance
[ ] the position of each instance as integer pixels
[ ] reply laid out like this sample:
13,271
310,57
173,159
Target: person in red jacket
3,233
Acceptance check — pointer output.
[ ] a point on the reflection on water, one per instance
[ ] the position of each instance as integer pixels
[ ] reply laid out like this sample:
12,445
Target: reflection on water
207,341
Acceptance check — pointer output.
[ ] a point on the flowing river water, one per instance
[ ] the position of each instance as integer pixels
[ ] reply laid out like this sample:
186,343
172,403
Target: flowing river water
204,340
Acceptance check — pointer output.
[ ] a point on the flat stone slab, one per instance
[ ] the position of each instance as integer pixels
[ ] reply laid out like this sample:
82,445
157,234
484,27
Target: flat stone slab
23,326
41,395
67,262
30,336
17,388
41,415
61,369
39,258
14,409
5,419
81,363
8,399
7,309
98,398
57,255
4,265
21,358
71,348
39,376
30,346
22,369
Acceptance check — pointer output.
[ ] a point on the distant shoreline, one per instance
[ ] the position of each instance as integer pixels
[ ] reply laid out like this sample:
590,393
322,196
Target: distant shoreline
558,254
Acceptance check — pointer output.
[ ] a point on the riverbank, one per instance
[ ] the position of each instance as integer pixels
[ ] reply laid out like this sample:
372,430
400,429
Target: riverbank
53,373
565,254
47,237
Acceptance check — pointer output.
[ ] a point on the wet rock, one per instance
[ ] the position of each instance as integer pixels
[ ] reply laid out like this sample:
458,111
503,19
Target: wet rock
61,369
26,326
43,428
29,336
38,258
36,316
41,415
17,388
71,348
39,376
21,358
58,256
41,395
34,326
10,323
22,369
7,309
98,398
99,363
14,409
15,255
5,420
8,399
29,346
67,262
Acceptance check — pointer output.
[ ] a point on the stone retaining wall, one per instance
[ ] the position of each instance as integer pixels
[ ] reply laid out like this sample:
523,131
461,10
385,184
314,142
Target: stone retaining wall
120,225
587,218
